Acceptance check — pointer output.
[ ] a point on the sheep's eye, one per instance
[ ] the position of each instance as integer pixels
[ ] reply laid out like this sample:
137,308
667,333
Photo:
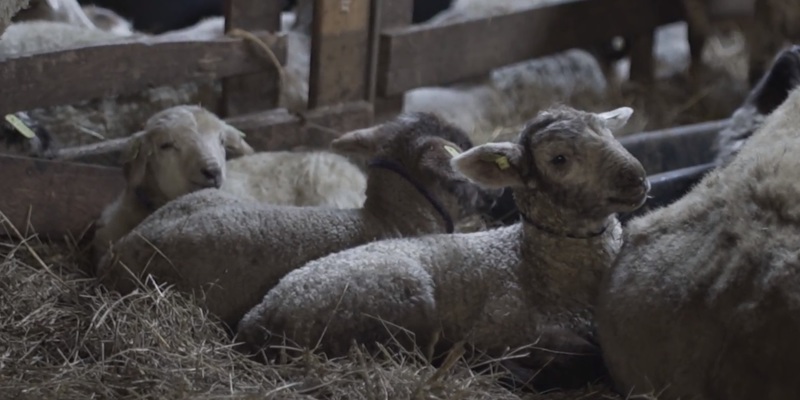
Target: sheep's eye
558,160
168,145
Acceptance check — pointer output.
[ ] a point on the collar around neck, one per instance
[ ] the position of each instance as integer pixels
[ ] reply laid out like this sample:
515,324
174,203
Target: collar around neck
550,231
400,170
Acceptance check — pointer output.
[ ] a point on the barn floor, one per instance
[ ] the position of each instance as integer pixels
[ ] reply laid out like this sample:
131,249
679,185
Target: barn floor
64,336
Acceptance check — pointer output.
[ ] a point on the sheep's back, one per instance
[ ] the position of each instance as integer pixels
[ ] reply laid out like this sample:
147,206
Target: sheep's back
233,249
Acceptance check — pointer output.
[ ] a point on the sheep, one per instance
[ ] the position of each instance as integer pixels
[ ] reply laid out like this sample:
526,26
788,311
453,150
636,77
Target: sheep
531,282
237,249
702,302
68,11
181,150
763,99
109,21
8,9
313,178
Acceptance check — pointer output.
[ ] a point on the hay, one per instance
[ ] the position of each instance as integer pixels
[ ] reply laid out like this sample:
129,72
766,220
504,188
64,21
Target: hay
62,335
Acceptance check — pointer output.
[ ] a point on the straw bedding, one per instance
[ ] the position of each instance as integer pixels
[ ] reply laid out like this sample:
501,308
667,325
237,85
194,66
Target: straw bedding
62,335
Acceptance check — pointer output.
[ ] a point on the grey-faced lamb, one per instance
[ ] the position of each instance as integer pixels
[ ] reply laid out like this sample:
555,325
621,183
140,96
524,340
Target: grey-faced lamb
703,301
531,283
181,150
763,99
234,250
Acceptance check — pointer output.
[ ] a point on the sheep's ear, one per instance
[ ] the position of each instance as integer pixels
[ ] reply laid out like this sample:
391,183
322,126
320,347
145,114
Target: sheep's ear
436,159
361,142
774,87
617,118
235,145
134,161
492,165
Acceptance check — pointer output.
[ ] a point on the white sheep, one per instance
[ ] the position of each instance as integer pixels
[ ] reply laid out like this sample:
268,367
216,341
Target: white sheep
8,9
531,283
763,99
155,175
181,150
68,11
234,250
314,178
704,300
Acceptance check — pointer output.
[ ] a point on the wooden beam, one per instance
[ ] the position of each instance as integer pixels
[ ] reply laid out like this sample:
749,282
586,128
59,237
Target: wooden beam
339,52
256,91
56,198
393,14
424,56
276,130
69,76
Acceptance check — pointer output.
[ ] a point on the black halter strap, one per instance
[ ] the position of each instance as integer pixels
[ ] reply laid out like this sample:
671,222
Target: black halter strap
552,232
400,170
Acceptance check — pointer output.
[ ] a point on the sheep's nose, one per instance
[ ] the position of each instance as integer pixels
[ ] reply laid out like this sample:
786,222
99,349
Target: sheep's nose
213,175
634,183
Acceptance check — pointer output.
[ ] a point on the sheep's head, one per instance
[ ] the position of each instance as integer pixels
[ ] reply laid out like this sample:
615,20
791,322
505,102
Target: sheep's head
422,145
182,149
770,92
568,158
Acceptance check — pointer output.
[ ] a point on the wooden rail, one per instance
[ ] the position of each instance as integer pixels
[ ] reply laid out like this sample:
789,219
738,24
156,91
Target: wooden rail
418,56
69,76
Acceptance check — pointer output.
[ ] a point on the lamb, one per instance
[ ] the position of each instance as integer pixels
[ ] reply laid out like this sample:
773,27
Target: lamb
235,250
702,302
531,282
181,150
763,99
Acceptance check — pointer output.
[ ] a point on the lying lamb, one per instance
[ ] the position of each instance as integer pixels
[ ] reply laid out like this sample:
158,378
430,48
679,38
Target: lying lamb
181,150
157,174
533,282
703,301
236,250
765,97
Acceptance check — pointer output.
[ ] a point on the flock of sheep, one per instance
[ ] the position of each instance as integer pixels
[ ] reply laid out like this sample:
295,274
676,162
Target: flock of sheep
363,243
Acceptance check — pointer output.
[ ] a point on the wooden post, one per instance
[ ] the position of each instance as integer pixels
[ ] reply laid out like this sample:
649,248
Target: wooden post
339,52
393,14
642,68
259,91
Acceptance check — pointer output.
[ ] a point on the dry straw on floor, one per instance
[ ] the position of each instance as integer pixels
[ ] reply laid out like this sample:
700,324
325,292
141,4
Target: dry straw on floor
62,335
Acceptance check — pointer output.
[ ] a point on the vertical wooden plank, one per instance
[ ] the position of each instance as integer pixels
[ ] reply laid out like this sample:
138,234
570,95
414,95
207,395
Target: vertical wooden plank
339,52
393,14
253,92
642,68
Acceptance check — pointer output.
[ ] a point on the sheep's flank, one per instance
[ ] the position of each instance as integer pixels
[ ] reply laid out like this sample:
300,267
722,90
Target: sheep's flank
62,335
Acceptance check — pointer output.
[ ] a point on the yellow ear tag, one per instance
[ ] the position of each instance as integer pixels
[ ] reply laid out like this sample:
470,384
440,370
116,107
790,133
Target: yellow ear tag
20,126
502,162
452,150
